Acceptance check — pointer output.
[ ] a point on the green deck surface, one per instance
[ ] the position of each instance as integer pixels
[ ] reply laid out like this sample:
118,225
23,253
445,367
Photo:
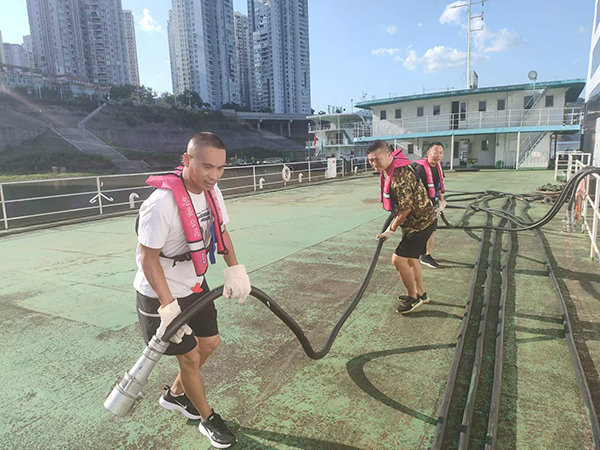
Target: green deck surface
67,311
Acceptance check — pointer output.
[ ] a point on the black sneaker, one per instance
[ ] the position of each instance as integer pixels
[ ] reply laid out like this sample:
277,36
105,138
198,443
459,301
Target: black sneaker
408,304
429,261
215,429
180,403
424,297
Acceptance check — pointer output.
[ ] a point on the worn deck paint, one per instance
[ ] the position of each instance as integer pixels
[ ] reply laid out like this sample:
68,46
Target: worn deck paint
70,329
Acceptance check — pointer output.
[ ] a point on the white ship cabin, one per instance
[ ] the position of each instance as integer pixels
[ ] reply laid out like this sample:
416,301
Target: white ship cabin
515,126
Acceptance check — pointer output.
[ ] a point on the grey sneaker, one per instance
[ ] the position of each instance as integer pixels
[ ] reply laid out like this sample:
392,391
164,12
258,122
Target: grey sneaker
428,261
424,298
408,304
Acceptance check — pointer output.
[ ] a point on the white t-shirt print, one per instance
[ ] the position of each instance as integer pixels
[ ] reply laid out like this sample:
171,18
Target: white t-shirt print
160,227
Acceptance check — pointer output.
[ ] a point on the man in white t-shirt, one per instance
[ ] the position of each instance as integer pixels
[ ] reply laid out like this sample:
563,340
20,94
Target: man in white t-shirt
168,280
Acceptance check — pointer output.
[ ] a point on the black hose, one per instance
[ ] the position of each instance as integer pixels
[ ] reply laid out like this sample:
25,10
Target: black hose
492,434
565,195
450,385
481,335
279,312
579,371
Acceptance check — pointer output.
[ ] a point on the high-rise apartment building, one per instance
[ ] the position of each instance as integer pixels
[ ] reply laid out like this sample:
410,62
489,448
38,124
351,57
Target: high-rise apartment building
129,24
104,42
202,50
2,61
15,55
57,36
242,50
84,38
28,45
280,58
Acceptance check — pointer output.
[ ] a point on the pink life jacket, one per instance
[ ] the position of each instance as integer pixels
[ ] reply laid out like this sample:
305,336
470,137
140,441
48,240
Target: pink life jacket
189,219
429,174
385,180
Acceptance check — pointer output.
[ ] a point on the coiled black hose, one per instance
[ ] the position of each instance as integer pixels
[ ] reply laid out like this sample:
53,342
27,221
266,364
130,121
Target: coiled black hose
565,195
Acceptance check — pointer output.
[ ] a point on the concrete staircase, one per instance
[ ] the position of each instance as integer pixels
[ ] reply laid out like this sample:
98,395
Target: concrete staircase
89,144
277,142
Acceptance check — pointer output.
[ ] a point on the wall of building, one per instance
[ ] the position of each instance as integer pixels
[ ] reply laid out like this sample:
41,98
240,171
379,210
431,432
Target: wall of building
514,100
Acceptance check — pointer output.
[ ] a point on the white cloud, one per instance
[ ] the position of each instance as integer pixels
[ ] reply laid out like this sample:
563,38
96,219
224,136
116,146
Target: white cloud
385,51
453,14
486,40
581,29
420,25
390,29
410,62
499,41
440,58
147,23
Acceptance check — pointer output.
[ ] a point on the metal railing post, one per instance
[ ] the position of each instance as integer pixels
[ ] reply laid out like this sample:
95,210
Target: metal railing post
595,219
518,150
309,178
99,185
254,176
3,207
480,119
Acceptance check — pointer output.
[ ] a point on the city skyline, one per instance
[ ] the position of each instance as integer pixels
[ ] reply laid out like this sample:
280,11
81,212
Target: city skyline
358,49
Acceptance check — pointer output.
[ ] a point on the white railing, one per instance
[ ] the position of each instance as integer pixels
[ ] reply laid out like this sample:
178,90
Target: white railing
312,128
568,163
362,129
26,203
589,204
475,120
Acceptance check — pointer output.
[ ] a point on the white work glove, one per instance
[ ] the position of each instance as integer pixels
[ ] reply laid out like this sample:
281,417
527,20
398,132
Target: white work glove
237,283
440,206
167,314
386,234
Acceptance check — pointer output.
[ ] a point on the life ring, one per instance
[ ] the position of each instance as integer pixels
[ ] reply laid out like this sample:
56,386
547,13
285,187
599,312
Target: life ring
286,174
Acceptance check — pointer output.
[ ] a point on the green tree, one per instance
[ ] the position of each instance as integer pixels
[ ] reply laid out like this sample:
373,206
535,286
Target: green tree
167,100
190,98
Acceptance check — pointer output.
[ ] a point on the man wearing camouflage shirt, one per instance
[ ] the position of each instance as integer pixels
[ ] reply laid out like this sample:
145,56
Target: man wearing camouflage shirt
413,213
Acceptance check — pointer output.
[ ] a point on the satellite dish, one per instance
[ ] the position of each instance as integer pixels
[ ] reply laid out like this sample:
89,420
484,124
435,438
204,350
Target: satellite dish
532,75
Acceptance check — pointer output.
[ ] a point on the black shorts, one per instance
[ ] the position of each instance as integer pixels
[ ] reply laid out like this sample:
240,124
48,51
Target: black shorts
204,324
413,245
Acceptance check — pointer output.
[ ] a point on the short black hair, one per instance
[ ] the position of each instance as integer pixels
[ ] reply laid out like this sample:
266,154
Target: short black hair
205,139
376,145
434,144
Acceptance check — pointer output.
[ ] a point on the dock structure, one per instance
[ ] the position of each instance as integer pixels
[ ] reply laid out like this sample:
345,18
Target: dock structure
67,307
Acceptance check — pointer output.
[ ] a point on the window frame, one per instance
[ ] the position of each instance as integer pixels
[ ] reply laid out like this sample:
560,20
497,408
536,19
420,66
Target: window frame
420,111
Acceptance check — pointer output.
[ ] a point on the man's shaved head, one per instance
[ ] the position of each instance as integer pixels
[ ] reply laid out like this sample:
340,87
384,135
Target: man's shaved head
202,140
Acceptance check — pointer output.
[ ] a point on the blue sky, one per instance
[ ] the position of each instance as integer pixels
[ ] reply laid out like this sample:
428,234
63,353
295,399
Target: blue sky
393,47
